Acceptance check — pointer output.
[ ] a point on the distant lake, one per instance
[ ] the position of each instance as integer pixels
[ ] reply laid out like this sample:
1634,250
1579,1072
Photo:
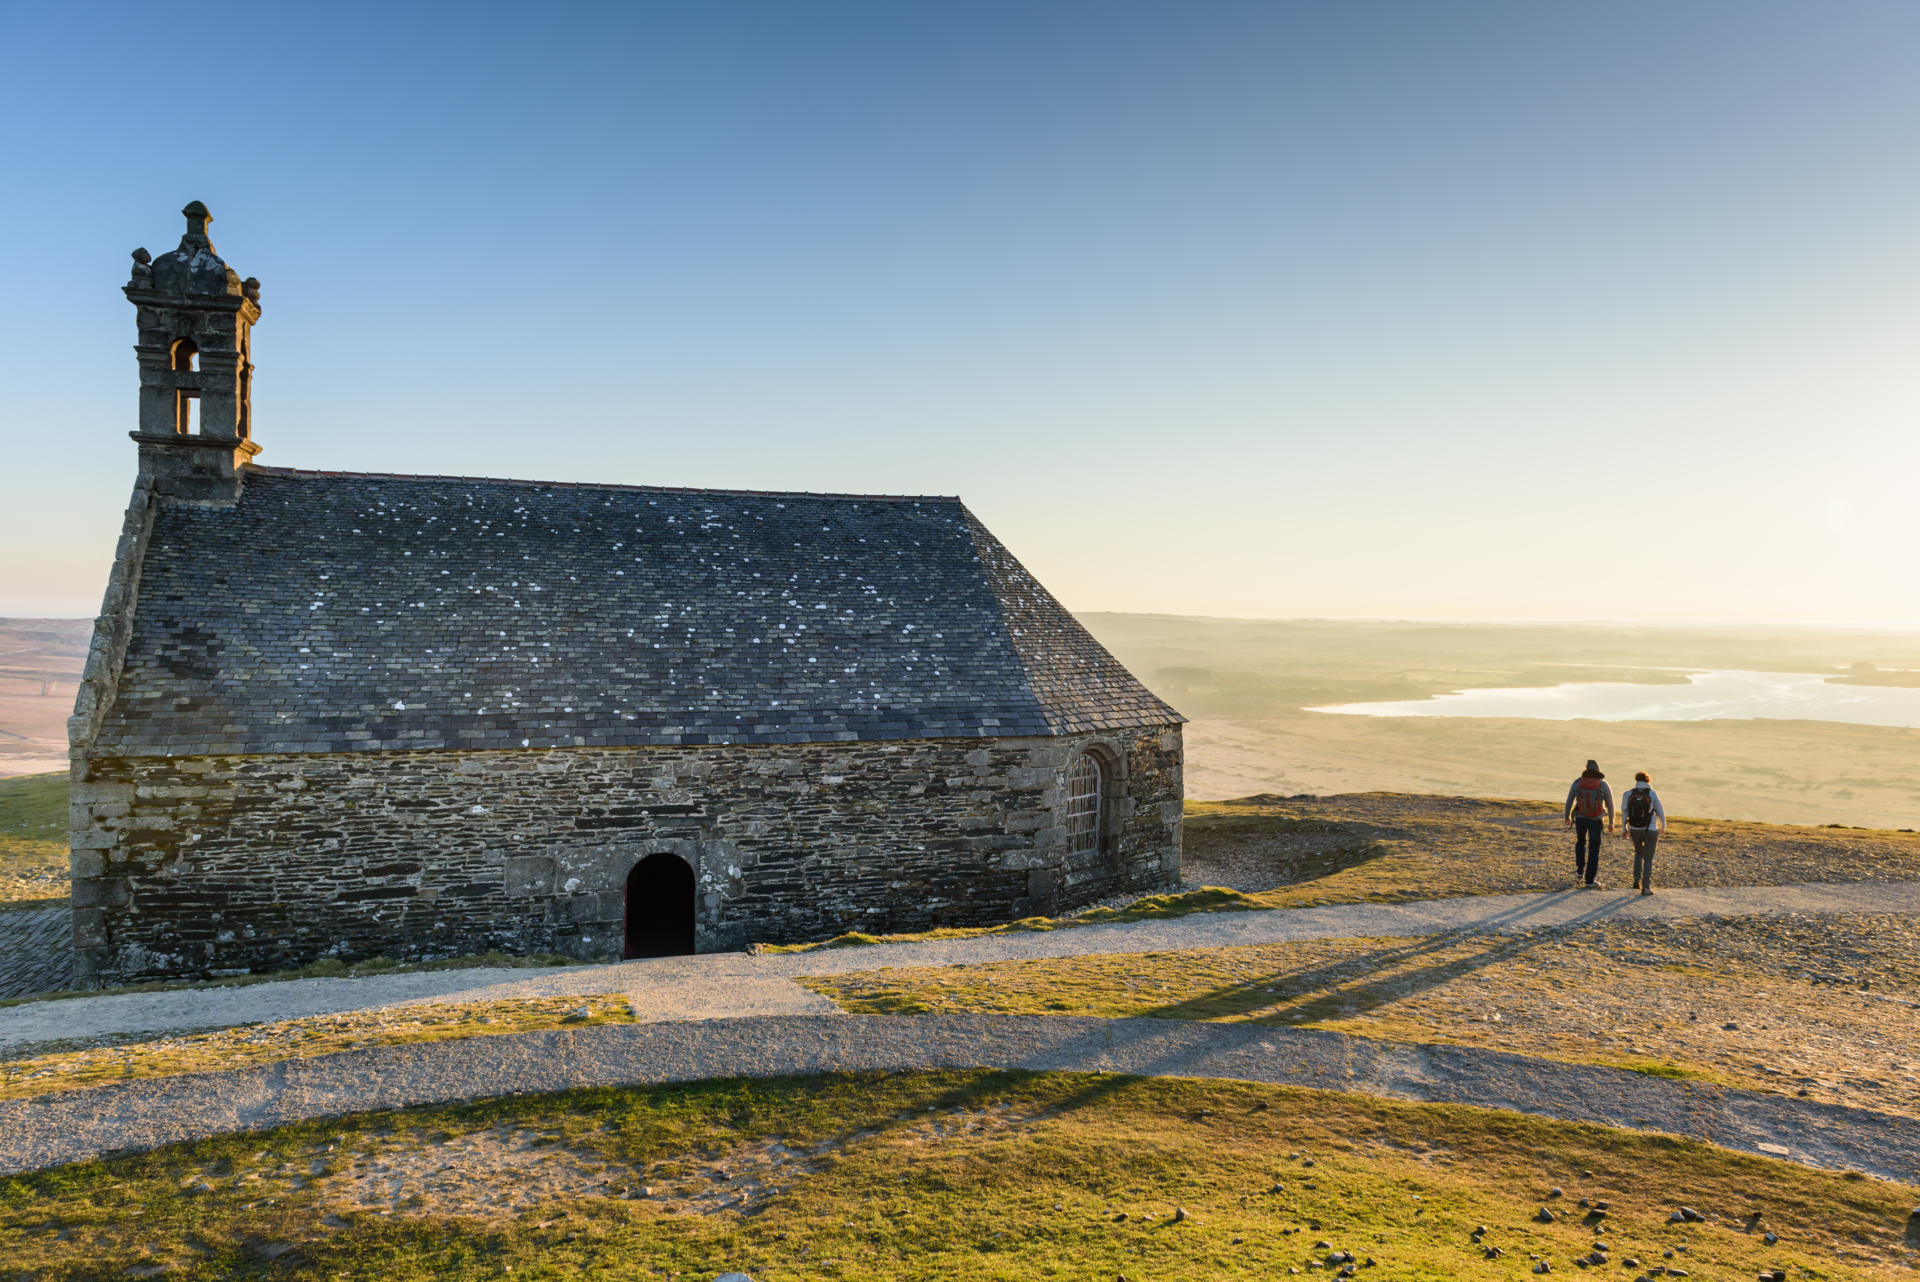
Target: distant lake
1707,696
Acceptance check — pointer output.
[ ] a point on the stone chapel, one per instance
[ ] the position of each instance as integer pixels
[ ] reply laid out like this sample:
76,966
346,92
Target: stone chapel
342,714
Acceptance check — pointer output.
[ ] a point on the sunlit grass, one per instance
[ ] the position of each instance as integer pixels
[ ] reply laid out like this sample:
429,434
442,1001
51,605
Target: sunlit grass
951,1175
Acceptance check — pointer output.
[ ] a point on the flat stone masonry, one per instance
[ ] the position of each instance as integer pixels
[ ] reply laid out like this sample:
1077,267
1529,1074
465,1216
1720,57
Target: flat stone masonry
195,866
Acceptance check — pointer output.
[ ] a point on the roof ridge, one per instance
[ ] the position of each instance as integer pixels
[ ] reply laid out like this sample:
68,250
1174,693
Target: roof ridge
317,473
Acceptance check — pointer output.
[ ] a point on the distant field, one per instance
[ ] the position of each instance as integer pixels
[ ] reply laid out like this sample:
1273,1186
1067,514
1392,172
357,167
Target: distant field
40,663
1245,683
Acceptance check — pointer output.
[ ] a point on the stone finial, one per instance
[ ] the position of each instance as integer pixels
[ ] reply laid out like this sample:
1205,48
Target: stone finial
198,216
141,256
142,266
250,289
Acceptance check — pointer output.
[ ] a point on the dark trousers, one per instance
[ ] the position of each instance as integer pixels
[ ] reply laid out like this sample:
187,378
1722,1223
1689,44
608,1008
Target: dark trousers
1644,841
1586,847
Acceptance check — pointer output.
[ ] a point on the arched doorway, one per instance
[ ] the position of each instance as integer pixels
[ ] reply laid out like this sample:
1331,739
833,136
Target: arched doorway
660,907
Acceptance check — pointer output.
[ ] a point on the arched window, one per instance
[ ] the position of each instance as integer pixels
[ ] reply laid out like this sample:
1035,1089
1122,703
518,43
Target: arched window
1086,800
186,356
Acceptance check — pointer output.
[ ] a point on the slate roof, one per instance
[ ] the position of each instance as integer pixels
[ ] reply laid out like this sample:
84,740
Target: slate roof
329,612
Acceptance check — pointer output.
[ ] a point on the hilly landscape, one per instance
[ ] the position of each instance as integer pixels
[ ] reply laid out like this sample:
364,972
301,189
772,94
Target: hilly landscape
40,663
1247,685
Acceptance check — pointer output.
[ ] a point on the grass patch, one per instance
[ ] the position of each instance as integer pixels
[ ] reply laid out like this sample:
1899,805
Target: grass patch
44,1068
325,968
1782,1005
1660,1068
1395,847
34,806
33,840
947,1175
1207,899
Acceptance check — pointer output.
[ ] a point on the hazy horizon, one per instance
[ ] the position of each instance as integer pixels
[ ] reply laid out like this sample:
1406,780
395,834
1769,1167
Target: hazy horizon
1478,312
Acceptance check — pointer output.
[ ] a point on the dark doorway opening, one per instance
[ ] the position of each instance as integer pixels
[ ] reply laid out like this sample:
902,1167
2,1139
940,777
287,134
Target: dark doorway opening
660,907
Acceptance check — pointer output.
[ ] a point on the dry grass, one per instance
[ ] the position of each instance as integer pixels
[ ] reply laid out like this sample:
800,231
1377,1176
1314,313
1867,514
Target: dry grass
33,839
1206,899
45,1068
957,1175
1396,847
1795,1006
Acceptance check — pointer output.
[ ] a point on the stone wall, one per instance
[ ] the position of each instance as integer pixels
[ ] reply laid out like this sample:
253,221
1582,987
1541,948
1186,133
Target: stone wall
194,866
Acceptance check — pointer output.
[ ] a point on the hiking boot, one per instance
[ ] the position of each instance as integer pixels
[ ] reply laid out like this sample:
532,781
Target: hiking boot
1636,885
1593,885
1647,891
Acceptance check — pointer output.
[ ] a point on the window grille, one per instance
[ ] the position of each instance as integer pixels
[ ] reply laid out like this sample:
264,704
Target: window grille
1083,806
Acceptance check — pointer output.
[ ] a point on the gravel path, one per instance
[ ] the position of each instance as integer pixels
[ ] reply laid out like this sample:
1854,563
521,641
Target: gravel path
736,985
76,1125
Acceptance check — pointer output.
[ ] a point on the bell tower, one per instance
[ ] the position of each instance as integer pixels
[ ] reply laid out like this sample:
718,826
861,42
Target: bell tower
195,318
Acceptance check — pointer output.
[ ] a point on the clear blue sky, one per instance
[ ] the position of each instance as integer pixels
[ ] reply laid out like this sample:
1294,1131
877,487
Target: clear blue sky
1257,309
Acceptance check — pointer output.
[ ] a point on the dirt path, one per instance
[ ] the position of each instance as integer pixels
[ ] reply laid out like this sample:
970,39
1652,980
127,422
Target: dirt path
736,985
77,1125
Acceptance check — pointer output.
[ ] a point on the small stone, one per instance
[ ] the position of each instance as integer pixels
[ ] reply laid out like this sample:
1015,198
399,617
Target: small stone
1730,1026
1771,1239
1545,1216
733,1277
1323,1246
1479,1230
1556,1191
1179,1214
580,1016
1543,1267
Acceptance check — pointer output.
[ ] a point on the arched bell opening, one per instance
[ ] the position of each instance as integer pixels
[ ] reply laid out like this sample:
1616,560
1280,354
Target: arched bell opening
659,907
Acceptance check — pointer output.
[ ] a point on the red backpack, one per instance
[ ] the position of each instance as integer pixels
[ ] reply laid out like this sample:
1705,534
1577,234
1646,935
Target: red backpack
1587,803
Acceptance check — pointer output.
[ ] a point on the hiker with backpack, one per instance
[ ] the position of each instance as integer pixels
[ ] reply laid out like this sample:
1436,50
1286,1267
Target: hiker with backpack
1643,812
1588,801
